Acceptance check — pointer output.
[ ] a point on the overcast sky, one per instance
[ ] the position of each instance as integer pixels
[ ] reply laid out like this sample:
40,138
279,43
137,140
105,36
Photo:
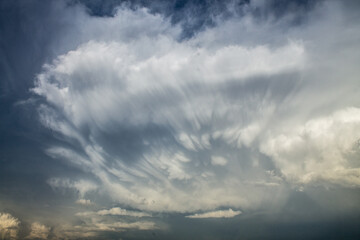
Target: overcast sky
179,119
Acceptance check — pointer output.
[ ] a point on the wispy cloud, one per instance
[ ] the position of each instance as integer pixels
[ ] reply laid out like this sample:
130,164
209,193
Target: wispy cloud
115,212
153,110
216,214
159,114
123,212
158,120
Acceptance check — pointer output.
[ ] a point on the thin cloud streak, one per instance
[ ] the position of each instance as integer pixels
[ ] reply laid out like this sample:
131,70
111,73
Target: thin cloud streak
216,214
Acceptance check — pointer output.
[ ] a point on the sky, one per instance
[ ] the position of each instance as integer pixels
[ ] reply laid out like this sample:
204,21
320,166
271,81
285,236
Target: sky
179,119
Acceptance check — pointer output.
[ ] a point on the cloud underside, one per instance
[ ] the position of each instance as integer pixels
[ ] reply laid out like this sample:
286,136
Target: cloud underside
161,123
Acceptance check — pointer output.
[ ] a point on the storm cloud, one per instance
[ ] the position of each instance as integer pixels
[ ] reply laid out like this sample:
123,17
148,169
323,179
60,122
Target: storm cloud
149,117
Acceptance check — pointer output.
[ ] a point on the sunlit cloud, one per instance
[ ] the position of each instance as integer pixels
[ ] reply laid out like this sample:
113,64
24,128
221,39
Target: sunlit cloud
9,226
38,231
216,214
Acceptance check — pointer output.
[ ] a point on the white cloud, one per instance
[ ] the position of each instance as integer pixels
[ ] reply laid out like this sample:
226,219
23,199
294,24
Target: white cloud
9,226
218,160
216,214
38,231
123,212
236,99
115,226
125,86
96,91
323,149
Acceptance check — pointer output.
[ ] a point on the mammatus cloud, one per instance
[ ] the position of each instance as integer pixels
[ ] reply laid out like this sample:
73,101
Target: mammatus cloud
216,214
38,231
9,226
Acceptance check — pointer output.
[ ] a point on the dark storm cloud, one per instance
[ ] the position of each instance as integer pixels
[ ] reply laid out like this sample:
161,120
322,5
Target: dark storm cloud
202,108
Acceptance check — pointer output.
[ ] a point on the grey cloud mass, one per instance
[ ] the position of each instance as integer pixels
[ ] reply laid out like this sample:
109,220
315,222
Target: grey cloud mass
180,120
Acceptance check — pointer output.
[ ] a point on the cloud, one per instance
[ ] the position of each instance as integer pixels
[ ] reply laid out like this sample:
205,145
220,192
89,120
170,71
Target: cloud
123,212
84,202
114,212
9,226
98,228
152,116
39,231
110,226
166,109
115,226
97,224
322,150
220,161
127,87
81,186
216,214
